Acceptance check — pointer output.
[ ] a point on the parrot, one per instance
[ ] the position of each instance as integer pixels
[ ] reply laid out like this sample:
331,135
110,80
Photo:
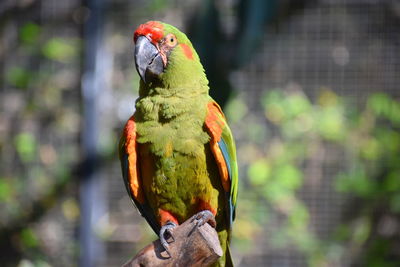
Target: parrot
177,152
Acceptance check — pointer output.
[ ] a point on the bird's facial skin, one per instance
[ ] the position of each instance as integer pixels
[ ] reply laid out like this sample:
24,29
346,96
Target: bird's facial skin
152,49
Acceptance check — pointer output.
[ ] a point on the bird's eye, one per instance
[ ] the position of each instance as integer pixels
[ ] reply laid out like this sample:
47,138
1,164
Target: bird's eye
170,40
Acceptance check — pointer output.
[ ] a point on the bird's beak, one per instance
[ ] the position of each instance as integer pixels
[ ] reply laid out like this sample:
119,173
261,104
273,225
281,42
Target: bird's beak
148,59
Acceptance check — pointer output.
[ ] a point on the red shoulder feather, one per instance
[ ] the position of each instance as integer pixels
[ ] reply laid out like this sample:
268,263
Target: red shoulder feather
130,148
215,123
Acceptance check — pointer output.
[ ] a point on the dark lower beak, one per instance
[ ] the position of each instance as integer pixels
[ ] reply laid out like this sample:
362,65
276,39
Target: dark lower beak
148,60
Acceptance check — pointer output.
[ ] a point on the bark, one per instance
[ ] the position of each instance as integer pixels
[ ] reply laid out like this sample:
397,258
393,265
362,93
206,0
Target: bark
190,246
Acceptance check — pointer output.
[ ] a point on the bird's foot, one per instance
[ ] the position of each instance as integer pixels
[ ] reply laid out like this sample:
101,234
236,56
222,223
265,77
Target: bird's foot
205,216
165,234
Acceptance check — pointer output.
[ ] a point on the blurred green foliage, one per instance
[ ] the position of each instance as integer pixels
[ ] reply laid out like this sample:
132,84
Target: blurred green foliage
19,77
29,33
60,49
25,145
282,151
301,133
39,147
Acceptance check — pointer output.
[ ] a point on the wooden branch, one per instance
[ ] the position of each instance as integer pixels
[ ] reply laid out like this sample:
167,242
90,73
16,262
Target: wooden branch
191,246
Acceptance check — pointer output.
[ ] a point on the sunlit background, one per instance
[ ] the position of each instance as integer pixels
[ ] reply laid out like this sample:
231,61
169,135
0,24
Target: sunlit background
310,89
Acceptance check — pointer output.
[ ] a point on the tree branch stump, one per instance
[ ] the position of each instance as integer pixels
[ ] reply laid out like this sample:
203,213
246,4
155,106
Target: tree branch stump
190,246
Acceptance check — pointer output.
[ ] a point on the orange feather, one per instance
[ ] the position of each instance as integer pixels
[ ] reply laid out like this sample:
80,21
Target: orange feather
131,150
215,121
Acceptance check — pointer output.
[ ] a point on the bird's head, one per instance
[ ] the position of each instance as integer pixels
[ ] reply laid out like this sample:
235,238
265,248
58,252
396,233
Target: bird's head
164,53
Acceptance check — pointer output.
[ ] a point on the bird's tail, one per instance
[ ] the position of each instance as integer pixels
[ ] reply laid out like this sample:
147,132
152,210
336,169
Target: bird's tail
225,260
228,257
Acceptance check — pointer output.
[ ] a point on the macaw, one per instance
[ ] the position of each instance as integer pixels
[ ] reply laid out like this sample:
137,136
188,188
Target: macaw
177,153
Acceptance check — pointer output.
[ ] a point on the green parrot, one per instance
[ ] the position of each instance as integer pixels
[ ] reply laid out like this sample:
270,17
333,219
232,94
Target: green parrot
177,152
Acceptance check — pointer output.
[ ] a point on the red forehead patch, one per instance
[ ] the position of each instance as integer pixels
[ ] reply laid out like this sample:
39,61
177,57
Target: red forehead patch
152,29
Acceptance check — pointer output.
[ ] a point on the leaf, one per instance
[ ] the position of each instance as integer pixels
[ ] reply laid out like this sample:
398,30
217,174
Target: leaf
371,149
362,230
28,238
25,145
328,98
395,203
6,190
59,49
19,77
297,104
379,103
330,123
259,172
235,110
288,176
355,181
29,33
272,102
386,107
70,209
392,181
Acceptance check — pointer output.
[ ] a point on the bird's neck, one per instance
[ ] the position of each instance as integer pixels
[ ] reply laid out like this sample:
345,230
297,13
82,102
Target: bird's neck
172,122
165,108
161,101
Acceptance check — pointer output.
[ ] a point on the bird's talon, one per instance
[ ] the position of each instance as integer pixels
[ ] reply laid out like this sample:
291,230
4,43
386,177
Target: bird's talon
165,233
205,216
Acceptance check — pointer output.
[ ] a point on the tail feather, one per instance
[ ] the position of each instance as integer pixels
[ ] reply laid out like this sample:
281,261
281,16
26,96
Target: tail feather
225,260
228,257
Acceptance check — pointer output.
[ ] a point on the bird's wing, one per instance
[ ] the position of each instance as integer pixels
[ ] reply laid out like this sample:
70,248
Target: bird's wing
128,154
224,151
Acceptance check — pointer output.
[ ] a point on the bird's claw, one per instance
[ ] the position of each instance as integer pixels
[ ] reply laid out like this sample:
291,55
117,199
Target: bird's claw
165,233
205,216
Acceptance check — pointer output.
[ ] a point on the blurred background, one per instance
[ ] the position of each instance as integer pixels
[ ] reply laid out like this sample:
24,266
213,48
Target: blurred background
310,89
